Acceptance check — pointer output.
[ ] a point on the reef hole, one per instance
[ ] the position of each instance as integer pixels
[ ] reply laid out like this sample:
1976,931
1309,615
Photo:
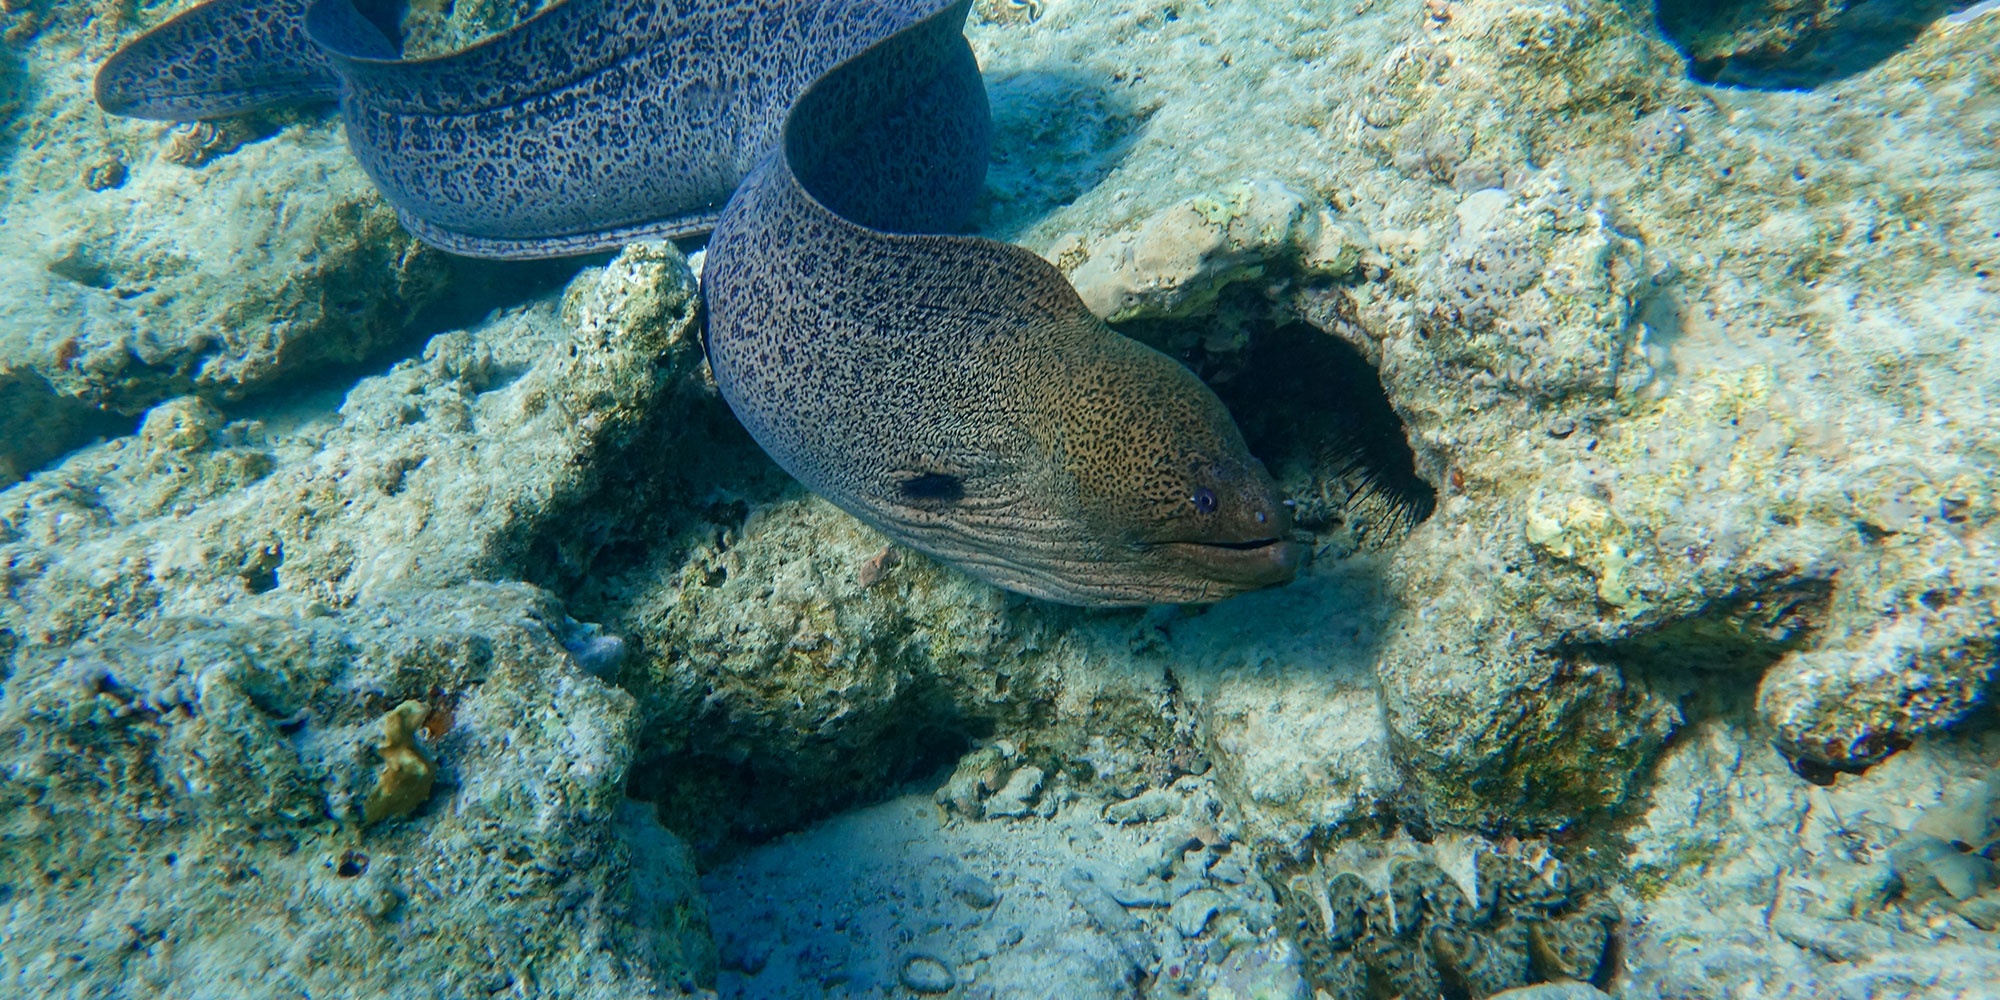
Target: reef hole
1793,46
1314,411
351,864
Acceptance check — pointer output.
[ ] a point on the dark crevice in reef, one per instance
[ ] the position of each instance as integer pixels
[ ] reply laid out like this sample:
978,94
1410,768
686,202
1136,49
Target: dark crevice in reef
722,805
1793,44
633,555
691,476
40,426
687,481
1314,411
474,290
1709,663
1735,638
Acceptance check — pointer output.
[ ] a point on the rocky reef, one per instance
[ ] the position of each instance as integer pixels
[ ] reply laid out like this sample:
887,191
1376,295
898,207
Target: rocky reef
372,616
275,724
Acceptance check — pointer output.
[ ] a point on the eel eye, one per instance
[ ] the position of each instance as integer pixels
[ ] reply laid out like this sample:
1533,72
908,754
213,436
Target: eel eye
1203,500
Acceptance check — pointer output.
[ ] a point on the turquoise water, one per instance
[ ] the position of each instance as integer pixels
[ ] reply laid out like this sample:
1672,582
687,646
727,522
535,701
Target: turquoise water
1543,547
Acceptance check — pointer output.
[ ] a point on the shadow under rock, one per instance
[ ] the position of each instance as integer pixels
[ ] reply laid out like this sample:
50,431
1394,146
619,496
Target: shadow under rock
1767,46
40,426
1056,135
477,289
1711,663
14,93
723,806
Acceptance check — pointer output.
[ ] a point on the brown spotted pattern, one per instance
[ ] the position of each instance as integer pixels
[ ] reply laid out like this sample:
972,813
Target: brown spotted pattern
953,392
216,60
592,124
875,363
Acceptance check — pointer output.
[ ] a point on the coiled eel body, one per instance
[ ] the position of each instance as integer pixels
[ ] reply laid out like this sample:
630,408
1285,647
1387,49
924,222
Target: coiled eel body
952,391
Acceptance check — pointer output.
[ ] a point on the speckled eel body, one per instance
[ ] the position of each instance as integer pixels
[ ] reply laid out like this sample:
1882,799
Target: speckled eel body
952,391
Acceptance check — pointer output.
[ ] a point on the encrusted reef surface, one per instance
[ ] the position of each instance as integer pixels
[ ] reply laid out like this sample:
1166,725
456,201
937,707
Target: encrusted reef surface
143,261
1645,432
274,729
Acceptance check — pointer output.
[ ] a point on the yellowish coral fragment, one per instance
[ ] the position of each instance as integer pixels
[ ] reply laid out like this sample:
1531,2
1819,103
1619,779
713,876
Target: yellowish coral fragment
1587,532
1545,532
407,774
1611,586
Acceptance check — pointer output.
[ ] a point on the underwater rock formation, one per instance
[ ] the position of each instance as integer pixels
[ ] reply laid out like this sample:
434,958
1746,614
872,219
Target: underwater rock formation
1794,43
1947,857
1751,878
1617,477
198,783
196,271
209,619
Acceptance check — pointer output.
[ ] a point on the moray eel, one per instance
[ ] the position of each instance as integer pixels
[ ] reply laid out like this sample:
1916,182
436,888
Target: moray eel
951,391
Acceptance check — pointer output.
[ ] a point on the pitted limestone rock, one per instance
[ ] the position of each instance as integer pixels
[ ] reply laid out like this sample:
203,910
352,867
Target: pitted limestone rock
1546,285
1180,259
202,778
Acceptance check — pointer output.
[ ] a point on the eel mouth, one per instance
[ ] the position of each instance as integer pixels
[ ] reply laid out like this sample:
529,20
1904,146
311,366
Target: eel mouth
1256,562
1252,545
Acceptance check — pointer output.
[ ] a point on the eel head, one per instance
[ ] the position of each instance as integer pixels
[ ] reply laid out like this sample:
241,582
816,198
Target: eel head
1162,481
1122,481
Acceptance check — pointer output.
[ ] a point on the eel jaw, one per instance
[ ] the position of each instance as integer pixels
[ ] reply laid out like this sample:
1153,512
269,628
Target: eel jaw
1240,566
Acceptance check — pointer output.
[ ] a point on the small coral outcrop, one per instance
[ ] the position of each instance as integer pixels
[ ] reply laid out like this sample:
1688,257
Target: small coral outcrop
407,772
